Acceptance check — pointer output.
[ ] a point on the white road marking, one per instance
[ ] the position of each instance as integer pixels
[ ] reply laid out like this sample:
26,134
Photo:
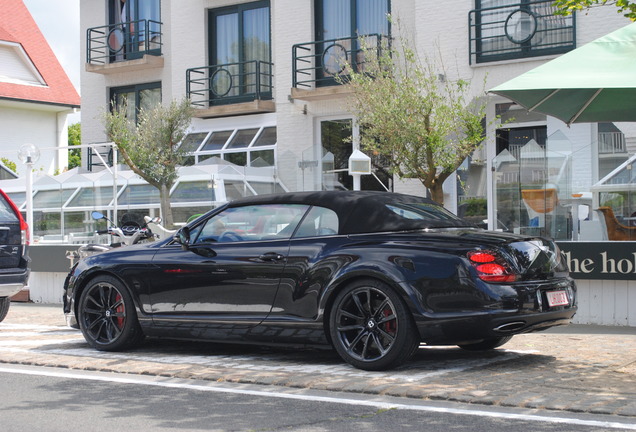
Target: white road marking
41,342
23,334
33,327
213,387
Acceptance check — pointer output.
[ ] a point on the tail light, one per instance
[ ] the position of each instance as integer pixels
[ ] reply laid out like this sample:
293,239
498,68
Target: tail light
24,232
25,238
491,267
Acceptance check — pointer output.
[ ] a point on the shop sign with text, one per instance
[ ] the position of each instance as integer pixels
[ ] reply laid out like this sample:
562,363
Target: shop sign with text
600,260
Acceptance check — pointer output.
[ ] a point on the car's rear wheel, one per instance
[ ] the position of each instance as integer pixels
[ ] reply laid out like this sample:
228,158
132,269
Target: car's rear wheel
486,344
5,302
371,328
107,315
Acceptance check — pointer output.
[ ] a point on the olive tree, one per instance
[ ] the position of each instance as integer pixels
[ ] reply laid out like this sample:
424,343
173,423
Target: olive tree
411,113
151,147
567,7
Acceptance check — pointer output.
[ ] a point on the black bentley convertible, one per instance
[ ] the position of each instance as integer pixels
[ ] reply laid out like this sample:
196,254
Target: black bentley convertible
372,274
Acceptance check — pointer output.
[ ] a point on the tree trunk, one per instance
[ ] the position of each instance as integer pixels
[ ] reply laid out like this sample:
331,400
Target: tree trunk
437,192
166,208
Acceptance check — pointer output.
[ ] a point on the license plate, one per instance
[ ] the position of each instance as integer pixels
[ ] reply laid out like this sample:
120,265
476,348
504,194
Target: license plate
557,298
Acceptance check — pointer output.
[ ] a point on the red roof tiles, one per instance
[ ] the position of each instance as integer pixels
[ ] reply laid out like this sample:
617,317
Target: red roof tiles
17,25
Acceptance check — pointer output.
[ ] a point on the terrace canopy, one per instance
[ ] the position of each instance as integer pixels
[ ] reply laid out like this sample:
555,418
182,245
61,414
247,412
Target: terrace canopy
593,83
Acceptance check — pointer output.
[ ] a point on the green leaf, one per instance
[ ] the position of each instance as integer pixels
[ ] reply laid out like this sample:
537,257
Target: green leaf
425,127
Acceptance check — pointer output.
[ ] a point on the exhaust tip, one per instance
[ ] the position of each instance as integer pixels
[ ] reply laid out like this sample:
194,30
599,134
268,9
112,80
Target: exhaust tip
510,327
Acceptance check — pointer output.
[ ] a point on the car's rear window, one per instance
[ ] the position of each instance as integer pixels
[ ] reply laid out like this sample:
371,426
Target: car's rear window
7,215
397,212
422,211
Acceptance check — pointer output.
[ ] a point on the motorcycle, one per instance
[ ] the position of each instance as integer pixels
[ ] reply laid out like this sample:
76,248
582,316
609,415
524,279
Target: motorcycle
130,233
158,230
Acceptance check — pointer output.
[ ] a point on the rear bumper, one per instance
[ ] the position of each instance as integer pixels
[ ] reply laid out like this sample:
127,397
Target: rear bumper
9,290
530,315
12,283
474,327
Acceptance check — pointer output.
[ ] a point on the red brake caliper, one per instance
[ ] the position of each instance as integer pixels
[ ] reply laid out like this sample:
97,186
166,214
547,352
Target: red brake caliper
389,326
119,310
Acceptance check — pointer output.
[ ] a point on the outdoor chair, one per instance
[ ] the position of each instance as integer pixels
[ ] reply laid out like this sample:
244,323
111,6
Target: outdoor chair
615,229
539,203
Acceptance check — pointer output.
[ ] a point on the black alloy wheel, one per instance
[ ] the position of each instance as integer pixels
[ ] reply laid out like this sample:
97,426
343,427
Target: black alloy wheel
107,315
486,344
371,327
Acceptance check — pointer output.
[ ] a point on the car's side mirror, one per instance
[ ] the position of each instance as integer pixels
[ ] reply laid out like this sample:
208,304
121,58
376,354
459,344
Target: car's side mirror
183,237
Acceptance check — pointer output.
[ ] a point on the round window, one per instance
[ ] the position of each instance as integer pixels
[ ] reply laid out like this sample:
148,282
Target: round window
521,26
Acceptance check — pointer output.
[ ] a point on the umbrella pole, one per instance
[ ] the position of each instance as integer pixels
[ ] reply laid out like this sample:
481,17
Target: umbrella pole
584,107
543,100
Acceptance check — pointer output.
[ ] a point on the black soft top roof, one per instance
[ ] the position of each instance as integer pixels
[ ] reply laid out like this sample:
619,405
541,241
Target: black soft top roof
367,211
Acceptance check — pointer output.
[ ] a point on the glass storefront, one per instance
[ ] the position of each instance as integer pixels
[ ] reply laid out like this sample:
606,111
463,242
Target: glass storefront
570,183
62,205
532,188
614,200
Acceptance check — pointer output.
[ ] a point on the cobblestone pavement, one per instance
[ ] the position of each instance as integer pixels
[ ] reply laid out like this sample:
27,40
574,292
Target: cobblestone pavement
574,368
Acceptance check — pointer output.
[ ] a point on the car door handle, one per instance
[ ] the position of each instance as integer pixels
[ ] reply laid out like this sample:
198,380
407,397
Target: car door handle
271,256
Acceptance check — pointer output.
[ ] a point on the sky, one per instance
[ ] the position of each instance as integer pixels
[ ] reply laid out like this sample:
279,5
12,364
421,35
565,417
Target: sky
59,23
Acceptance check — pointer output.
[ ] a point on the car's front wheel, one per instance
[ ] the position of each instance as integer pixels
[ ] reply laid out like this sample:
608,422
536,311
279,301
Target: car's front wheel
371,328
486,344
107,315
5,302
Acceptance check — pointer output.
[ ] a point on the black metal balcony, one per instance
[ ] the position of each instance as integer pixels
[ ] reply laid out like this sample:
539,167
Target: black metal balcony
229,83
318,63
124,41
519,30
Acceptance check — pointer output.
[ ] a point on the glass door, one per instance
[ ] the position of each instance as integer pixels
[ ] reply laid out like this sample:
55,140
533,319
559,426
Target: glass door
336,146
240,53
335,140
135,28
338,25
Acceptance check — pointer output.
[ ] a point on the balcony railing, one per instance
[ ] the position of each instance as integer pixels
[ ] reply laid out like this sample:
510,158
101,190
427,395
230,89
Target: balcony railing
318,63
229,83
121,42
519,30
611,143
100,156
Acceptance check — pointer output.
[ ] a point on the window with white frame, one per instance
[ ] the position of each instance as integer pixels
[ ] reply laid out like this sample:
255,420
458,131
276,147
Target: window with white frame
254,146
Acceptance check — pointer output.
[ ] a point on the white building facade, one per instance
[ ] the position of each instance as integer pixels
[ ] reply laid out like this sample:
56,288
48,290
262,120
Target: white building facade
250,65
261,76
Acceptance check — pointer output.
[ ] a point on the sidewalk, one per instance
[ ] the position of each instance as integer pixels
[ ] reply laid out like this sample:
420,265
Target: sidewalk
573,368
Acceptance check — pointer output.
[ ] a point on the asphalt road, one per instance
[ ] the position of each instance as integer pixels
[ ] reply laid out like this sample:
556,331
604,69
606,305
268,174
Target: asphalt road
47,399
